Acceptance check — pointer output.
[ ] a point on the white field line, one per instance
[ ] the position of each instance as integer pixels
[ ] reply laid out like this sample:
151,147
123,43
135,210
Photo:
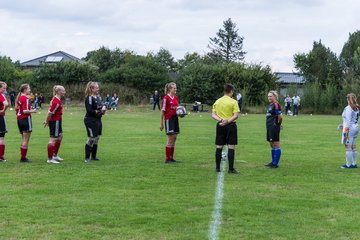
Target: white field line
215,223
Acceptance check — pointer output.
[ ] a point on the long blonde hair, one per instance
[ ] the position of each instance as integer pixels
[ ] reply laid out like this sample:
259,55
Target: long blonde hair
2,84
89,86
22,89
168,86
56,89
351,97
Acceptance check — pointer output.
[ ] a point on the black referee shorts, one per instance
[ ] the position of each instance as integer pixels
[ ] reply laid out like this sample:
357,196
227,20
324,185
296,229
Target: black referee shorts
226,135
93,126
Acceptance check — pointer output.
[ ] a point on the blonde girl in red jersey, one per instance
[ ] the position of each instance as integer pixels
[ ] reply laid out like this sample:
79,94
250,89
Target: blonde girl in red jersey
53,120
3,129
169,117
23,116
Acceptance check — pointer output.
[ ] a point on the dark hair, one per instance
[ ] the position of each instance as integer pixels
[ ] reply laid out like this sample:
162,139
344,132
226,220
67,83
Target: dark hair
228,88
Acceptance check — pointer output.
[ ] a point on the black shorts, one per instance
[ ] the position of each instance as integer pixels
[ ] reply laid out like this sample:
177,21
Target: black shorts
172,126
3,127
93,126
55,128
226,135
273,134
25,125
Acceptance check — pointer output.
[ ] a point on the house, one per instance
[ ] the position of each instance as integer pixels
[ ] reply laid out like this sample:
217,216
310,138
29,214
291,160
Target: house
290,82
51,58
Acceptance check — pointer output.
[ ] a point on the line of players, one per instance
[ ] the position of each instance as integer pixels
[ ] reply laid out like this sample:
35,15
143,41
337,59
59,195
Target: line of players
225,111
92,120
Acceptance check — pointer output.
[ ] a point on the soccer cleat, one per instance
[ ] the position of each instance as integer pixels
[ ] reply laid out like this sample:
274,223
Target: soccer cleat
52,161
345,166
57,158
87,160
25,160
2,160
95,158
218,170
233,171
352,166
170,161
273,166
269,164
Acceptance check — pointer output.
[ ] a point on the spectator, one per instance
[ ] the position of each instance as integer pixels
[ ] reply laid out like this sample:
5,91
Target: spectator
114,102
156,100
12,98
287,104
239,101
296,104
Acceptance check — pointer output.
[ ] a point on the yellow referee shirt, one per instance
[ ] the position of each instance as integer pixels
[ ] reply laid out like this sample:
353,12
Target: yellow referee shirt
225,107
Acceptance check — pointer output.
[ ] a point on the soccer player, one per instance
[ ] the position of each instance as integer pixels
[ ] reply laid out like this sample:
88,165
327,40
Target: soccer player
3,129
273,126
94,111
23,115
350,118
225,111
168,116
53,120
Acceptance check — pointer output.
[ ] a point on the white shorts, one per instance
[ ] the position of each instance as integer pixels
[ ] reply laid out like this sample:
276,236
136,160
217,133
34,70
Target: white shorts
353,133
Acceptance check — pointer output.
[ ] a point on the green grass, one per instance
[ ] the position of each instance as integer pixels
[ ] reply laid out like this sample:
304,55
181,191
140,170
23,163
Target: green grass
132,194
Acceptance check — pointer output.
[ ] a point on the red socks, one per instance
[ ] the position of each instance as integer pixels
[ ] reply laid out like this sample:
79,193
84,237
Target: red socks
23,151
51,150
170,152
2,151
57,146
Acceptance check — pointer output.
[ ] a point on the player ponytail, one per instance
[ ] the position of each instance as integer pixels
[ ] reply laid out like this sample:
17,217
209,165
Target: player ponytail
56,89
168,86
22,89
88,88
351,97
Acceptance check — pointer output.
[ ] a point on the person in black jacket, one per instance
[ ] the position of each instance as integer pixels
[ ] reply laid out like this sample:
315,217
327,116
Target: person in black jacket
156,100
94,111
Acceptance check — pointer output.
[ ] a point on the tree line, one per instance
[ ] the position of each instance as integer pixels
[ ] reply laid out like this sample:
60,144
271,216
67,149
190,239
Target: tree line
134,77
200,77
329,77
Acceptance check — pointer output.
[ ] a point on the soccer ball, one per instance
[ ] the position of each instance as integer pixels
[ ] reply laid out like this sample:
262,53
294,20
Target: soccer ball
180,111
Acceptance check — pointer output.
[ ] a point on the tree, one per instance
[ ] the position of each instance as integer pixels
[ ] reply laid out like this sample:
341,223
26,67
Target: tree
227,44
140,72
7,69
165,59
319,65
105,59
349,55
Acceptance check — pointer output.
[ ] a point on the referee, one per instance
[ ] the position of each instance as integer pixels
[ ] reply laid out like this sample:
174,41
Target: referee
225,111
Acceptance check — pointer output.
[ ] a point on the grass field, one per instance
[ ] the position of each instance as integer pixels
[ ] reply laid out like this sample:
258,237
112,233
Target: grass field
132,194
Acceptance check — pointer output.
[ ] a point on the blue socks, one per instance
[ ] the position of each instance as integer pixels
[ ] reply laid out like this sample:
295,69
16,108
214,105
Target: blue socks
275,153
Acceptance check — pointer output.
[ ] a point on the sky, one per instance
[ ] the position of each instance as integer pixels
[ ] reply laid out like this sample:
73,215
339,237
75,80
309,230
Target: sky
273,30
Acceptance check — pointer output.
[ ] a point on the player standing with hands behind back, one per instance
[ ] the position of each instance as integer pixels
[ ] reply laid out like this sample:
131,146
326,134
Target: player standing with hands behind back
53,120
94,111
168,115
225,111
273,127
